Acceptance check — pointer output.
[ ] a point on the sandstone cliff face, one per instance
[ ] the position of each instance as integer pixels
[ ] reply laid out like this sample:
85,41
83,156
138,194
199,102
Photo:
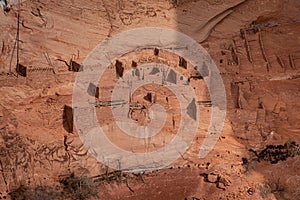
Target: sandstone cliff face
256,46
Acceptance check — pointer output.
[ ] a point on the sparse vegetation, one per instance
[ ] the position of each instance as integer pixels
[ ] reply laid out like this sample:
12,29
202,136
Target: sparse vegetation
81,187
72,187
265,190
277,187
35,193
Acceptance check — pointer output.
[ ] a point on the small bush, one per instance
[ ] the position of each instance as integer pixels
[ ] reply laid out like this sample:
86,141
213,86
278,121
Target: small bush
265,190
72,187
35,193
78,187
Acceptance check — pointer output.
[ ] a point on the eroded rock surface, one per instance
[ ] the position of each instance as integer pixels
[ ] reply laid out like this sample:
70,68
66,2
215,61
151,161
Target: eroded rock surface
254,43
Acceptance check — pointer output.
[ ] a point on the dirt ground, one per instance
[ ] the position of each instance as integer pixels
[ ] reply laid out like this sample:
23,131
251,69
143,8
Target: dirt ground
256,47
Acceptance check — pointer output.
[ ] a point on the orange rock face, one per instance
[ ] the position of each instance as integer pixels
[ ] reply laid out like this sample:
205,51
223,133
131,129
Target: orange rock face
255,45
